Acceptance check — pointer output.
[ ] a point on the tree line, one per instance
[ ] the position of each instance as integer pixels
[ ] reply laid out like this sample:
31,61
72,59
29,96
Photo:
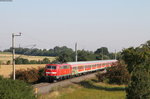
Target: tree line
40,52
65,54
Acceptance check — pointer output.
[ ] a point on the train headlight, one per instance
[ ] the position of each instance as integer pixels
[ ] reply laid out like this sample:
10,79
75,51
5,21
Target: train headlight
53,72
48,72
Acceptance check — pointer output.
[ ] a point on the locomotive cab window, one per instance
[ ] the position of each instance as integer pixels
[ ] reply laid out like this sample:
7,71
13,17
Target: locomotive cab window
51,67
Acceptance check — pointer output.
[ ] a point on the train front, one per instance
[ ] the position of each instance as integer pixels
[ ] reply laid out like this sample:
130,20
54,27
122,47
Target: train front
51,71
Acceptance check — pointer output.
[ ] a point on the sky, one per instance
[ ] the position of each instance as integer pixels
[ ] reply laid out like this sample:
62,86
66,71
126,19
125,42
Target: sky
115,24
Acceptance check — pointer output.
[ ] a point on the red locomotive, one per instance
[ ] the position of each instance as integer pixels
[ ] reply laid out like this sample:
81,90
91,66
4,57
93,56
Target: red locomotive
66,70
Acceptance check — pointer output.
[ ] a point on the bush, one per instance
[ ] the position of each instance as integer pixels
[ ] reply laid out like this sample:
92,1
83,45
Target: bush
14,89
8,62
26,61
21,61
31,75
117,74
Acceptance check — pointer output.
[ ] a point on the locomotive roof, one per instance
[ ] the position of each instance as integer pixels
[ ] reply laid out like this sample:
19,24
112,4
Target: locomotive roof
86,62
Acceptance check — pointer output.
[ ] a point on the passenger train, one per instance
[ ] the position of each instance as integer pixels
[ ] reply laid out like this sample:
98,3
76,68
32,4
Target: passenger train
70,69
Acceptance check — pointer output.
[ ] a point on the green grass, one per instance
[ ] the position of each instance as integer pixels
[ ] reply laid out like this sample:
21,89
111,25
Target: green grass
89,90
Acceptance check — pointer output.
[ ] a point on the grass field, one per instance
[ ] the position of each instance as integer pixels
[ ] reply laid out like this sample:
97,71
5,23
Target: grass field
6,70
88,90
5,56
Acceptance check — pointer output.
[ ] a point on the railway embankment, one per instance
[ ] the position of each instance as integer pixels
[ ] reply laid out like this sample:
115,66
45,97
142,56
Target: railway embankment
45,87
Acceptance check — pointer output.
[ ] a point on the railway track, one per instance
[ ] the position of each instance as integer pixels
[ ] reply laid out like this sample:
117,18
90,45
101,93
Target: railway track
45,87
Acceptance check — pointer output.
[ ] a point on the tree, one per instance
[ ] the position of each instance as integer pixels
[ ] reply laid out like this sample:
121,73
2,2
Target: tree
138,64
60,50
46,61
102,50
135,56
65,57
84,55
139,88
25,61
18,60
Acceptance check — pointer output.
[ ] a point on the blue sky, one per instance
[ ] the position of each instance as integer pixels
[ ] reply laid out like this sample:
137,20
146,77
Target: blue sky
115,24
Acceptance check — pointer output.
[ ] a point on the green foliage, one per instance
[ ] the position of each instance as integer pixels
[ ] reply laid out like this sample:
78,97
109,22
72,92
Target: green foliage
21,61
26,61
100,57
65,57
60,50
31,75
68,56
139,88
138,64
85,55
116,74
102,50
64,54
14,89
33,62
46,61
8,62
135,56
39,52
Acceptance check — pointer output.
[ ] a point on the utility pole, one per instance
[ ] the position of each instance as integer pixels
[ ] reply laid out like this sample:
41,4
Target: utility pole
13,54
115,55
76,56
102,54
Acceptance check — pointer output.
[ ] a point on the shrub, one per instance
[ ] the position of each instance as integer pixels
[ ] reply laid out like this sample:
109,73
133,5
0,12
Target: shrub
31,75
116,74
21,61
14,89
8,62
